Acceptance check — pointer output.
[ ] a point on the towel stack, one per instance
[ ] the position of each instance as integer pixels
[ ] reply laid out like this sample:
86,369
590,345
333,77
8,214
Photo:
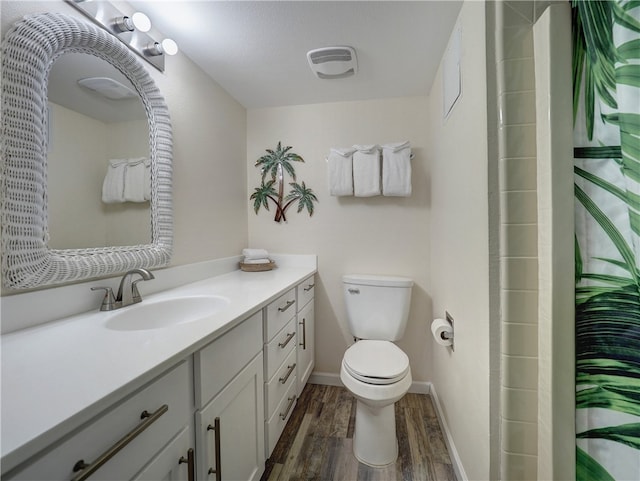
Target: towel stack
358,170
255,256
366,170
340,171
127,180
396,169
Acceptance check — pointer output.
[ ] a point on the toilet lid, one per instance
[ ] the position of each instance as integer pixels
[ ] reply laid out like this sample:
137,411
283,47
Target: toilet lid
376,362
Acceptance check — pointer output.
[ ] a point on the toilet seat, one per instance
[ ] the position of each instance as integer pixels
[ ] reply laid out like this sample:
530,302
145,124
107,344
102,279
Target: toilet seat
376,362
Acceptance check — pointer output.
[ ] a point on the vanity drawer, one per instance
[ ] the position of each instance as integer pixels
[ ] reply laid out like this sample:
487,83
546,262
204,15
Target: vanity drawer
279,312
167,404
278,420
278,385
279,347
217,363
306,291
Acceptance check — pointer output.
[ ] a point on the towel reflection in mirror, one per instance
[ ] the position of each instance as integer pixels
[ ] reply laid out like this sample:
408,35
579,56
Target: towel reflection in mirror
127,180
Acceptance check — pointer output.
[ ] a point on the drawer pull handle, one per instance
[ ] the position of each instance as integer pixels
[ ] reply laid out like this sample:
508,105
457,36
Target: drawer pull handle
216,430
191,465
287,306
304,333
87,470
284,378
284,415
309,287
286,341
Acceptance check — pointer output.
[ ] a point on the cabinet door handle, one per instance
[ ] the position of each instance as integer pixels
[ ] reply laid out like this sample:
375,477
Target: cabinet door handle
286,341
216,432
284,415
87,470
190,464
284,378
309,287
287,306
304,333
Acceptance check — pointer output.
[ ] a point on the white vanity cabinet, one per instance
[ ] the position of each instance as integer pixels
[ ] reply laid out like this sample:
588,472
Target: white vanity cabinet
208,401
280,367
153,419
305,292
230,405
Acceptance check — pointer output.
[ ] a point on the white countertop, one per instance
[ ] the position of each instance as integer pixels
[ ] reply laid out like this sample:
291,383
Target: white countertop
59,375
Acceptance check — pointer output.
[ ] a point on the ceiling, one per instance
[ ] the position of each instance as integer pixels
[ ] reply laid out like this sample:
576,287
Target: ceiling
256,50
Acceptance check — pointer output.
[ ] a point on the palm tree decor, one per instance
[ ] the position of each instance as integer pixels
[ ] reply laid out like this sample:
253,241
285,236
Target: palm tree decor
276,163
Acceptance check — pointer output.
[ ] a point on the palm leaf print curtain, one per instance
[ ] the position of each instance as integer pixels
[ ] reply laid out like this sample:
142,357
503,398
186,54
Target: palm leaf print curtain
606,79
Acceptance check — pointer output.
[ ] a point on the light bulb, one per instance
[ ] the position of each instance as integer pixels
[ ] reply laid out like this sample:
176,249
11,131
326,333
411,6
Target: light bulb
141,22
169,46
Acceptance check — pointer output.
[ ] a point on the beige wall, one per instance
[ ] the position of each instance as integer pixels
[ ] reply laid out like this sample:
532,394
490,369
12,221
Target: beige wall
460,249
378,235
209,163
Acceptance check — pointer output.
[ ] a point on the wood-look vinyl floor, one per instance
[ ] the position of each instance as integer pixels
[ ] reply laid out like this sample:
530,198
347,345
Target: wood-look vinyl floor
316,443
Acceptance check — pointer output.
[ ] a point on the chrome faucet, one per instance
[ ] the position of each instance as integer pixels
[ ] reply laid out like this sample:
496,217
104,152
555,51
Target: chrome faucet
127,292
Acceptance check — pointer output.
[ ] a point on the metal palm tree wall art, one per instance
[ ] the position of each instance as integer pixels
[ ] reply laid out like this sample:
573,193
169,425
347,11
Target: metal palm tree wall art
274,164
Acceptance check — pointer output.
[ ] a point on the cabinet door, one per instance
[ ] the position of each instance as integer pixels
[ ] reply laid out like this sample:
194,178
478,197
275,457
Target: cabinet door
306,345
240,435
176,462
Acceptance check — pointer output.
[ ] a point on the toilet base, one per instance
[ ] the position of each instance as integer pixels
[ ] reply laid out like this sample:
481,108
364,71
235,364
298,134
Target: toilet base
374,438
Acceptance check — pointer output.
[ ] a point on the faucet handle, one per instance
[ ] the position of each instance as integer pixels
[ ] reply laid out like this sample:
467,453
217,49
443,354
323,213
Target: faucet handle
108,302
135,293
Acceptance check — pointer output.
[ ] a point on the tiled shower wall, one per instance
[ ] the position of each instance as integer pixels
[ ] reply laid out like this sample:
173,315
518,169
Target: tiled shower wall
515,92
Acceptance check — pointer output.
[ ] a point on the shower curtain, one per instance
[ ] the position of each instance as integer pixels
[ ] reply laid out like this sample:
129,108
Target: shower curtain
606,76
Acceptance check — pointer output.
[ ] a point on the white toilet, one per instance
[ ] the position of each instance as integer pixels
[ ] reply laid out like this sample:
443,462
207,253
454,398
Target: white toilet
374,369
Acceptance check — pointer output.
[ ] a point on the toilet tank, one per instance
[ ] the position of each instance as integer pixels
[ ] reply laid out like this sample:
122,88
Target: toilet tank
377,306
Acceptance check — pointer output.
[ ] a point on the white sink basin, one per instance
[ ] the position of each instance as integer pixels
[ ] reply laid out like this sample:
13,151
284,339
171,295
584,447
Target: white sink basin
162,313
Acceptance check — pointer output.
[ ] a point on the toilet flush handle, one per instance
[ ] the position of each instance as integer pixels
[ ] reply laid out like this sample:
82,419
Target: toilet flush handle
353,290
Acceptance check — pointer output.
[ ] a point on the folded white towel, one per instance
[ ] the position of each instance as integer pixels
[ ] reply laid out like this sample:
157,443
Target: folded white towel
396,169
147,179
113,184
367,148
256,261
135,178
254,254
397,146
366,170
340,171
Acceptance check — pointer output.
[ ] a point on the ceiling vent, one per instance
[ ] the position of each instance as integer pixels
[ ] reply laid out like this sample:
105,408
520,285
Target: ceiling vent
333,62
108,87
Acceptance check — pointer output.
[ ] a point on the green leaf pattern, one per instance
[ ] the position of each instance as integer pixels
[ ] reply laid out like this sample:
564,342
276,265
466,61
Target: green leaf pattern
606,70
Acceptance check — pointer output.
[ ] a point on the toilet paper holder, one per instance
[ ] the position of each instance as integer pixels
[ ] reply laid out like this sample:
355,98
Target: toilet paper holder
446,335
442,331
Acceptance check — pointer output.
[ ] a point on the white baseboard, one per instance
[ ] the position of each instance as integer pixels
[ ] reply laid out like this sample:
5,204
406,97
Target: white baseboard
325,378
456,462
418,387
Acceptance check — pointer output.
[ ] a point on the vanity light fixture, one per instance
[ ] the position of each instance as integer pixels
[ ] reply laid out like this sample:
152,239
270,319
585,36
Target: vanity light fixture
129,29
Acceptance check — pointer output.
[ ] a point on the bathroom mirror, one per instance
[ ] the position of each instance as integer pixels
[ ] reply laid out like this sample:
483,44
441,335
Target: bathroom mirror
29,51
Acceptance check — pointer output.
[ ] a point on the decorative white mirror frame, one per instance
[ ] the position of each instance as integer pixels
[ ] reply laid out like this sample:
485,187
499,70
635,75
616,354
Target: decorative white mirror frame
29,50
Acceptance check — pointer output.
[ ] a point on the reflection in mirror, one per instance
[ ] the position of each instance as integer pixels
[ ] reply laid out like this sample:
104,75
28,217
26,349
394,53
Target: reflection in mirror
98,134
